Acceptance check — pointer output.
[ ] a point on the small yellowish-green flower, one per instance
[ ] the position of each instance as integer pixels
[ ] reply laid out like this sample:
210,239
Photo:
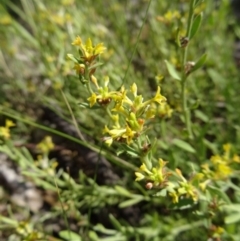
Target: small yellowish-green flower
129,134
186,187
5,130
9,124
92,99
222,171
89,52
175,196
158,98
169,17
236,158
227,147
134,89
203,185
157,175
165,110
134,122
121,134
79,68
144,168
77,41
94,80
5,20
150,112
120,98
216,232
139,176
46,145
115,119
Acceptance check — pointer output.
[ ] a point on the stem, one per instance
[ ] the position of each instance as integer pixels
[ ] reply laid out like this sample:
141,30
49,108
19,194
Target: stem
186,111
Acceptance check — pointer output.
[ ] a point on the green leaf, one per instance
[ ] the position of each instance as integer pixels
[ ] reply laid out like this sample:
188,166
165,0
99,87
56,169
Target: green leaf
232,207
182,204
183,145
233,218
217,78
195,26
71,57
172,71
162,193
123,191
86,105
200,115
95,65
220,193
100,228
8,221
69,235
115,222
200,62
127,149
93,236
130,202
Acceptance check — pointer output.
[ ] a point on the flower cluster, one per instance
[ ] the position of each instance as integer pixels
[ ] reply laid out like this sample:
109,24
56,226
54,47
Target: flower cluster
128,110
130,115
221,166
134,112
85,64
159,177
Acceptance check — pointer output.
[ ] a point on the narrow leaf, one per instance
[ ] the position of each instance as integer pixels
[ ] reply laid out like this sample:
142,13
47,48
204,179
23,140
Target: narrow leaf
123,191
233,218
183,145
217,78
130,202
199,114
200,62
69,235
220,193
172,71
195,26
115,222
71,57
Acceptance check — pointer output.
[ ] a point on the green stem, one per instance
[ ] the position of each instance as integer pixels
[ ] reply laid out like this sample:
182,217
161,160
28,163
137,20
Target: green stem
186,111
108,112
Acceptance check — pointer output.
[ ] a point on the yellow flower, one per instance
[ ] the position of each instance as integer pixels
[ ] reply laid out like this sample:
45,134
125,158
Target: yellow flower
134,89
186,187
89,51
160,99
223,171
236,158
227,147
46,145
144,168
99,49
77,41
92,100
5,131
165,110
175,197
129,134
80,68
9,124
139,176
